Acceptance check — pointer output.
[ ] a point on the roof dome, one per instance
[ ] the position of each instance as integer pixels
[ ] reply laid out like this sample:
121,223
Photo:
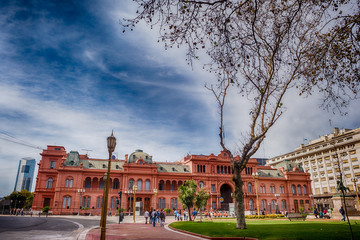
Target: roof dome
139,154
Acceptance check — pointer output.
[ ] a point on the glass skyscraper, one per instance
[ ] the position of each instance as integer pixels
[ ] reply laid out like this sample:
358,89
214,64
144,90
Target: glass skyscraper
25,174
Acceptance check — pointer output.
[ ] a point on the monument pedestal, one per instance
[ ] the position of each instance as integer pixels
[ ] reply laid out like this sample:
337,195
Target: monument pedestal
338,201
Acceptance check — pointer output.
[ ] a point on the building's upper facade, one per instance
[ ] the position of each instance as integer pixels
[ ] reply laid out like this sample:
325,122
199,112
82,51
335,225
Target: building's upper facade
25,174
61,175
321,158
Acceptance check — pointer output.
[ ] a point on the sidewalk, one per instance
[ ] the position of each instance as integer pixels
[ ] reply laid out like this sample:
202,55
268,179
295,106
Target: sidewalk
138,230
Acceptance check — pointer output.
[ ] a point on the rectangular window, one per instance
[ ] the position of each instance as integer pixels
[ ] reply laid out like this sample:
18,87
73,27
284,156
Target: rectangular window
25,169
213,188
52,165
353,152
354,159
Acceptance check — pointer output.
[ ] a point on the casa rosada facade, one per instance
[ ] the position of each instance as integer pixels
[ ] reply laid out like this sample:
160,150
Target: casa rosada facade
70,183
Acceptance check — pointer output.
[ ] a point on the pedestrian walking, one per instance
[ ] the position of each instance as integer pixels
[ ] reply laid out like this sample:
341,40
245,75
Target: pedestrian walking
342,212
146,215
153,217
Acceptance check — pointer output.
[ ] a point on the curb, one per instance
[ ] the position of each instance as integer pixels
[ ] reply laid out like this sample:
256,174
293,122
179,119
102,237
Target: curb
212,238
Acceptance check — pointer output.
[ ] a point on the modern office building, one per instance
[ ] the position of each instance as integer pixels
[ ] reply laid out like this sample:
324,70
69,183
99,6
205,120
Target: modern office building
324,158
68,181
25,174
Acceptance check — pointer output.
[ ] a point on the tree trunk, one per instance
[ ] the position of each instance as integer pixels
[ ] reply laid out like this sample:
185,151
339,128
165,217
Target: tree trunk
239,197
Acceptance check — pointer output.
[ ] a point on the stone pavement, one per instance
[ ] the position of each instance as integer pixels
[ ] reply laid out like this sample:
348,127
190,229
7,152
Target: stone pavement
138,230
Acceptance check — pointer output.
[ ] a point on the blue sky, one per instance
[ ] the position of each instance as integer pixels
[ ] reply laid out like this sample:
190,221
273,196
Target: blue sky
69,76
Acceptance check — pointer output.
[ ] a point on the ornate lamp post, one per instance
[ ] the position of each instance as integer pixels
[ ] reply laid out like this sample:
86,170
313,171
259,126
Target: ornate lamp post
130,191
111,143
135,189
277,202
155,192
120,214
354,180
81,191
256,178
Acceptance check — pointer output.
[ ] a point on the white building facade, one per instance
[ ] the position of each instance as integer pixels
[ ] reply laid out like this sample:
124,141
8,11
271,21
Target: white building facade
325,158
25,174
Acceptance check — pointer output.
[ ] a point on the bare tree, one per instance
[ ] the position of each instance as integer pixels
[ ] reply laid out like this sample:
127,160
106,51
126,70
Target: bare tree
262,48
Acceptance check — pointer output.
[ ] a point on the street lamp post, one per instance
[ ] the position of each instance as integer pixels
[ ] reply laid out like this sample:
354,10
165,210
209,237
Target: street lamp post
130,192
354,180
135,189
256,178
312,202
277,202
155,192
120,214
111,143
81,191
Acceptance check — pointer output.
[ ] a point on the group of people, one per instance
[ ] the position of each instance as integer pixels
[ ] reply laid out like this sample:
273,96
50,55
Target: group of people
17,211
155,216
322,214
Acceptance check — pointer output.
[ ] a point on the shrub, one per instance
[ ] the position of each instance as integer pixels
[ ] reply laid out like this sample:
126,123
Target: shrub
167,210
45,209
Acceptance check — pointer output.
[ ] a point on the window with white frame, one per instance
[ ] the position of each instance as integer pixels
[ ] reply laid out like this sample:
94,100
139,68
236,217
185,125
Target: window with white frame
201,184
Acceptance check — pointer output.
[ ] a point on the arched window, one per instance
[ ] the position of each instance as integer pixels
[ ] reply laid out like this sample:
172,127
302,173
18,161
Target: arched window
201,184
49,183
304,190
272,189
116,183
147,185
99,202
293,188
69,183
283,202
113,203
161,203
249,187
217,169
86,201
263,205
173,203
299,189
251,204
101,184
262,189
88,182
131,183
139,184
67,202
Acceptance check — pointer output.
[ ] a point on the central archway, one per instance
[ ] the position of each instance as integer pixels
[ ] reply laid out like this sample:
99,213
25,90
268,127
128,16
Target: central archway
225,195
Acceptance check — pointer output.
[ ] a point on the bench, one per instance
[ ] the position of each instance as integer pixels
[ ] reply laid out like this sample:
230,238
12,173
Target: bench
296,216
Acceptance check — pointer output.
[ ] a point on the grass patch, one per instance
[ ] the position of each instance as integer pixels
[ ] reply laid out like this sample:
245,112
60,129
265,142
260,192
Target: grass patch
273,229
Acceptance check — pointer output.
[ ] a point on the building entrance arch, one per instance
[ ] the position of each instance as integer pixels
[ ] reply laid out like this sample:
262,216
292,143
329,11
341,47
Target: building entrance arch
225,197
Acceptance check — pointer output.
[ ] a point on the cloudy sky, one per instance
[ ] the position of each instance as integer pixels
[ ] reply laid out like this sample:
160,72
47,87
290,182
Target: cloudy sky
69,76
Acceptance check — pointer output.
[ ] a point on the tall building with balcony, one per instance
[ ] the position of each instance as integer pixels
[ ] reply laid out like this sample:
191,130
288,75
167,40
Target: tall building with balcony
25,174
67,182
324,159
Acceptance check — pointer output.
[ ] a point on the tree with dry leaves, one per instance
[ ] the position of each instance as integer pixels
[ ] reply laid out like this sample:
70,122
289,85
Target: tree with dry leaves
262,48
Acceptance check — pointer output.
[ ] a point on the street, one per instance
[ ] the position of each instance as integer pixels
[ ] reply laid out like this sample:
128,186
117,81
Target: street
26,227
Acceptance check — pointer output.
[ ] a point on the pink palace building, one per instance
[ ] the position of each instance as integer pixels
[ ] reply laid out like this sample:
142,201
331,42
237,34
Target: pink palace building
70,183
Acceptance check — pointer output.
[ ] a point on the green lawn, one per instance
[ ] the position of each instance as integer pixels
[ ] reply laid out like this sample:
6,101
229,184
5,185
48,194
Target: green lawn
274,229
